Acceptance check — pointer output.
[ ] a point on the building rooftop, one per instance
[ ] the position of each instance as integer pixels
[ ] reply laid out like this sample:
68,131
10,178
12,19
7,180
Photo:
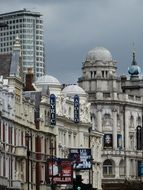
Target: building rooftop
20,13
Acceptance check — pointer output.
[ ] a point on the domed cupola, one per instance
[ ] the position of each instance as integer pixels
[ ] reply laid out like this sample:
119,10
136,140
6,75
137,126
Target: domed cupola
134,70
99,54
48,82
98,64
74,89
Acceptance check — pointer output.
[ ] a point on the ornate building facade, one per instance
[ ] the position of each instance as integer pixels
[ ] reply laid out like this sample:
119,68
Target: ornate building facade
27,138
116,111
71,134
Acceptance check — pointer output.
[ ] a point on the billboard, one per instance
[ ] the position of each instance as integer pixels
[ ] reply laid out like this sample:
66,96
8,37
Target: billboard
139,137
119,141
59,171
53,109
108,141
76,109
81,158
140,168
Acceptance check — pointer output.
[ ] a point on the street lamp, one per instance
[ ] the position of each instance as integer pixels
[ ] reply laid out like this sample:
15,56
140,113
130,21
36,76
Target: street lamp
28,136
52,148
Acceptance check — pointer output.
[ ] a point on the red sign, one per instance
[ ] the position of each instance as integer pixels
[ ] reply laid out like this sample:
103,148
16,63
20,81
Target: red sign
59,171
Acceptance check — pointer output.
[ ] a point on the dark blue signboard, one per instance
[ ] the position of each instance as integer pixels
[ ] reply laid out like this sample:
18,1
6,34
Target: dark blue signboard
76,109
140,168
119,141
53,109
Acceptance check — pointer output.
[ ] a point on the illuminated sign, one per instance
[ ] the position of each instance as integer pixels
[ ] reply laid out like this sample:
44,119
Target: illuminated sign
76,109
53,109
81,158
59,171
140,168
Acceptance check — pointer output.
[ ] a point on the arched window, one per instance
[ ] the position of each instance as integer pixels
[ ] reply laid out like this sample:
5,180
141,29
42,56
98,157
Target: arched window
139,120
108,167
107,120
118,121
131,121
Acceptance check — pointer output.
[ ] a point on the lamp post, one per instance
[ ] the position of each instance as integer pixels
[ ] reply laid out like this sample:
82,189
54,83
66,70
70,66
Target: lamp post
89,131
52,161
27,136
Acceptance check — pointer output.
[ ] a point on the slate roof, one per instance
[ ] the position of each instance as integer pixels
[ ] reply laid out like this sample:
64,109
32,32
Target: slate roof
5,64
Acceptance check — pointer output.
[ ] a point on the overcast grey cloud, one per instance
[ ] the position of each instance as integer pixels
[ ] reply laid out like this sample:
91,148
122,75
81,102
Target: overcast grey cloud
73,27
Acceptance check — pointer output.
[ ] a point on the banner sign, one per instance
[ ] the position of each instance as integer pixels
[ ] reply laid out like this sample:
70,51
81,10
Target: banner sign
139,139
119,141
108,141
59,171
81,158
76,109
140,168
53,109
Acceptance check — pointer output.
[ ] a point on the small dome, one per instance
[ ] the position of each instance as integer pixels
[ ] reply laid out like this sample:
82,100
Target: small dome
134,70
47,80
73,90
99,54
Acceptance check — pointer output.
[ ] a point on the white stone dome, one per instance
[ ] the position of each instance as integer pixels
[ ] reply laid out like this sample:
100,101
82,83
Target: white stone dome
73,90
99,54
47,80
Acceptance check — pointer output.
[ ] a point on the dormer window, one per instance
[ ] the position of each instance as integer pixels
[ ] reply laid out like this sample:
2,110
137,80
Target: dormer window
106,74
103,74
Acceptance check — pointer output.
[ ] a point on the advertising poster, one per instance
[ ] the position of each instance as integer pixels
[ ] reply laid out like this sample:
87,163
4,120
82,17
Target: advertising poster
140,168
59,171
76,109
119,141
108,141
139,139
81,158
53,109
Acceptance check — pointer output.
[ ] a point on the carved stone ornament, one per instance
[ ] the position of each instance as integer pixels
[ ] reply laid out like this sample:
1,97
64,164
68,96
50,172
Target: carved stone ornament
99,108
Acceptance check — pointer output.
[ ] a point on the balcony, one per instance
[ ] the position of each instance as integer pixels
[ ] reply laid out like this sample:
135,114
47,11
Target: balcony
21,152
3,181
16,184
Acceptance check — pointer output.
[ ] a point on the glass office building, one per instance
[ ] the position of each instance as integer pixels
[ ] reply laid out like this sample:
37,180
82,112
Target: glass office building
29,27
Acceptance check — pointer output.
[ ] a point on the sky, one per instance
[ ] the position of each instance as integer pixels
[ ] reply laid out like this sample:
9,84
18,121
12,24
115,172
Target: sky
73,27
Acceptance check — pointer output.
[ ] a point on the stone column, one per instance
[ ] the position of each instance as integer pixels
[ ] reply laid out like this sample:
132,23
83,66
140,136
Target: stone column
99,118
127,167
116,169
72,139
126,131
114,111
67,139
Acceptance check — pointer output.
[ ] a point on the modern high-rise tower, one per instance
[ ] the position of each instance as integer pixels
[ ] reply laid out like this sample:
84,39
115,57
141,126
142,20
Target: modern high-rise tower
29,27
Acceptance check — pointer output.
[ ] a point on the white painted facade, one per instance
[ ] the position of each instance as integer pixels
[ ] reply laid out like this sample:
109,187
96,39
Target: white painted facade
70,134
